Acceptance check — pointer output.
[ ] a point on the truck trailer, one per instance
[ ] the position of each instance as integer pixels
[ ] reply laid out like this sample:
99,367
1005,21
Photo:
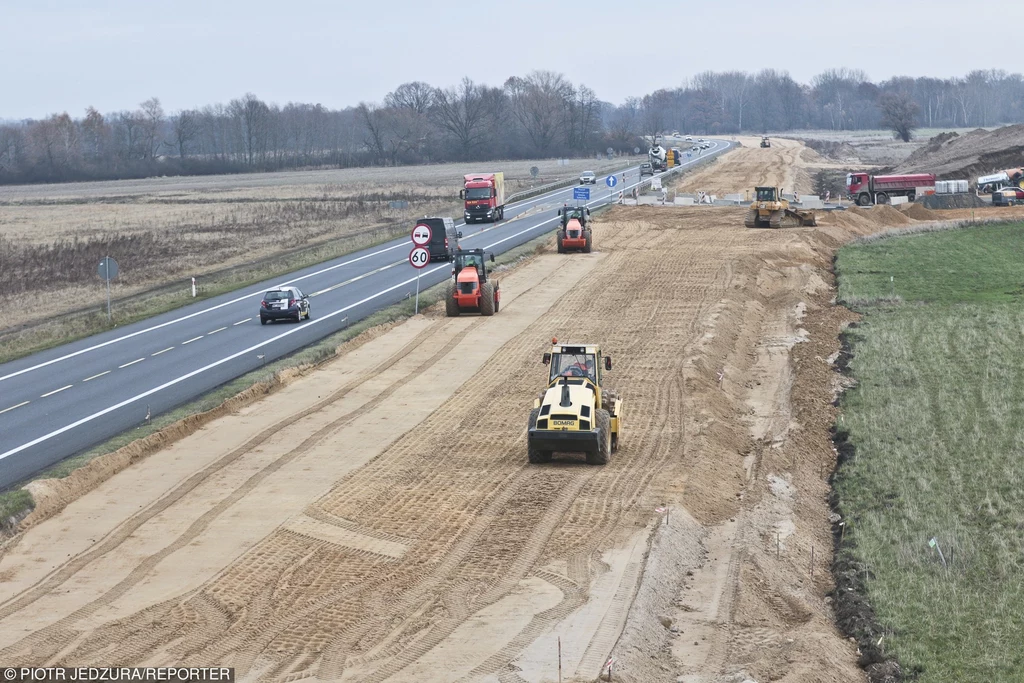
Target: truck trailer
866,189
484,195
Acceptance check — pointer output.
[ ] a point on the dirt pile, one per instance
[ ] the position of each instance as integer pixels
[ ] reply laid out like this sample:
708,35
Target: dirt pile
951,156
834,150
952,201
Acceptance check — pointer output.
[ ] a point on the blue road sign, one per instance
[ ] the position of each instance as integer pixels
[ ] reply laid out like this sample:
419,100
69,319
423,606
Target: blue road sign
581,193
610,181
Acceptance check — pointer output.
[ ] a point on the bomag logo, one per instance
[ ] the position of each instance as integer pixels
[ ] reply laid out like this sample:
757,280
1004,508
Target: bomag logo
564,423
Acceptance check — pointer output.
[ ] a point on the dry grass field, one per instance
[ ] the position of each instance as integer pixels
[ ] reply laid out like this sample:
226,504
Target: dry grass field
164,231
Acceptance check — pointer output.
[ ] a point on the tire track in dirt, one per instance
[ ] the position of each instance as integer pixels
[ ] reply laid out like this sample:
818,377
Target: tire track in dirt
203,522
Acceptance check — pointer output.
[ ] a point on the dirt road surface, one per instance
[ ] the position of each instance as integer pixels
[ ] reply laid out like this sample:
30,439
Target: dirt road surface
376,519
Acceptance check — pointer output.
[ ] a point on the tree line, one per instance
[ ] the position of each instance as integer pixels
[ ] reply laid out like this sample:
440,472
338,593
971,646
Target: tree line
541,114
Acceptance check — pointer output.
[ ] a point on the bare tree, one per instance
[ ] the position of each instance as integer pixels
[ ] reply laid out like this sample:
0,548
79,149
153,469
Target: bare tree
152,118
464,112
185,128
899,112
251,117
416,96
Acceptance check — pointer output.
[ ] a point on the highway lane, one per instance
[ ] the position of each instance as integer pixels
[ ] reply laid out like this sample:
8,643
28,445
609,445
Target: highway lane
60,402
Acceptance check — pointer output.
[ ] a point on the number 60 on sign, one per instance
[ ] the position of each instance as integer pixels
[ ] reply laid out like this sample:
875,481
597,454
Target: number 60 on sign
419,257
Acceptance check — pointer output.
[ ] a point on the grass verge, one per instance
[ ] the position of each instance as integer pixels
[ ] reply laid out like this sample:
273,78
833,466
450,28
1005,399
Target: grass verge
931,440
16,502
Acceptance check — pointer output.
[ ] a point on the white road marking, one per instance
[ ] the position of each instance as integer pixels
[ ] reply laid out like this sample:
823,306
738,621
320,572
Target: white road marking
242,321
177,380
193,339
219,329
105,372
23,403
402,245
56,391
138,360
164,351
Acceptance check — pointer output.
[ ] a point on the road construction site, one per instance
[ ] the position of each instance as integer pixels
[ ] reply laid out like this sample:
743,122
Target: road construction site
376,519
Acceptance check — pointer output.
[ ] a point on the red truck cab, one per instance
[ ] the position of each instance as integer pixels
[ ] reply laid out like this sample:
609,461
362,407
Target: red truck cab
484,194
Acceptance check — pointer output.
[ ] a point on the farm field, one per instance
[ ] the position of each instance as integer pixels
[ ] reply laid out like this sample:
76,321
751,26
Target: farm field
224,230
934,427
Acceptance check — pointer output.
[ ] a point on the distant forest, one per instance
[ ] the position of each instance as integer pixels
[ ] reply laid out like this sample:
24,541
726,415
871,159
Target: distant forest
541,115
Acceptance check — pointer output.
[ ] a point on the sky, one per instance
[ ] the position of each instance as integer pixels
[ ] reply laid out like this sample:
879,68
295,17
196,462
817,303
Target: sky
64,55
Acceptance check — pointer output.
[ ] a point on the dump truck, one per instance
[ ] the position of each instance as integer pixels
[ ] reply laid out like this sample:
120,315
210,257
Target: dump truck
575,414
471,289
867,189
765,142
484,195
770,210
574,233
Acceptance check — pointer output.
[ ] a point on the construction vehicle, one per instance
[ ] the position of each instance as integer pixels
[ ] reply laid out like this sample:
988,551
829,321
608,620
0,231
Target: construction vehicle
574,233
867,189
470,289
990,183
484,195
765,142
658,156
770,210
575,414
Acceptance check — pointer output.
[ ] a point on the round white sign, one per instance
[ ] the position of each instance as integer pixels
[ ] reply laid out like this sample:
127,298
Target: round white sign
421,235
419,257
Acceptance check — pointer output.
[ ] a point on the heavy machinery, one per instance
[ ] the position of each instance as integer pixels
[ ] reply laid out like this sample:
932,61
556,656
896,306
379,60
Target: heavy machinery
1012,176
765,142
470,289
770,210
658,157
575,414
574,232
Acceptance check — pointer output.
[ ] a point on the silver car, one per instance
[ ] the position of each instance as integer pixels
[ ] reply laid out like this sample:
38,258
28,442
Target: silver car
588,178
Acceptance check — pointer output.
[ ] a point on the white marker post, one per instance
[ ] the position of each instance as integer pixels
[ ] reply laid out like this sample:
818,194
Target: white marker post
193,288
419,257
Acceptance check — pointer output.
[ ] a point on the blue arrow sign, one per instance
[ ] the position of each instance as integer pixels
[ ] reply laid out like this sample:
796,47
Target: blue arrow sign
610,181
581,193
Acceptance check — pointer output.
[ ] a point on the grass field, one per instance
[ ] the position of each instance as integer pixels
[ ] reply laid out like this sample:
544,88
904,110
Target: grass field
937,421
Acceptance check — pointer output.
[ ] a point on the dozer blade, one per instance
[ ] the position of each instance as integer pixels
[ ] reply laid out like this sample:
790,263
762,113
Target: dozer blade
788,218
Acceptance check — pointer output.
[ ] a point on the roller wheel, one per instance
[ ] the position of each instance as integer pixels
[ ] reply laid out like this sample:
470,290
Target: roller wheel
604,437
558,238
487,299
451,306
588,245
536,456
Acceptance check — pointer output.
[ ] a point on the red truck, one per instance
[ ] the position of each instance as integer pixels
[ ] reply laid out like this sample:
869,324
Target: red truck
484,194
868,189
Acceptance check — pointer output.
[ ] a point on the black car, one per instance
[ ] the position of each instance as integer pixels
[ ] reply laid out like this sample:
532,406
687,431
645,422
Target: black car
284,303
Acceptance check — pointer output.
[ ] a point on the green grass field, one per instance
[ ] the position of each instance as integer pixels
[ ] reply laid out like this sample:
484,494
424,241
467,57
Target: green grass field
937,420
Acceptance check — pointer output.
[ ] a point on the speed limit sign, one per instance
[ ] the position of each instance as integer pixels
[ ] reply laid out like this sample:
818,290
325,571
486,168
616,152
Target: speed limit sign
419,257
421,235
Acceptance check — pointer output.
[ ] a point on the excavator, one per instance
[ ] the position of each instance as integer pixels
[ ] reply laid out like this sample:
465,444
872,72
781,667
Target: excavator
770,210
469,288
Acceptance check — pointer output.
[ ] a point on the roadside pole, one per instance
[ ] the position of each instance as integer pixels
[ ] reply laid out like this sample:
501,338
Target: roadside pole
419,257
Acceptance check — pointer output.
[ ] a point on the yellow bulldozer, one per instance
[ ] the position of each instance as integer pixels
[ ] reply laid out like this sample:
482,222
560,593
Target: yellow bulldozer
770,210
575,414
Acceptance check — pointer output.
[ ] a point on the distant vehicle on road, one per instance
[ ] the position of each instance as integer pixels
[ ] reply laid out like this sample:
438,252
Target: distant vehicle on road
689,138
444,238
588,178
706,145
484,194
284,303
646,169
694,148
700,139
1008,196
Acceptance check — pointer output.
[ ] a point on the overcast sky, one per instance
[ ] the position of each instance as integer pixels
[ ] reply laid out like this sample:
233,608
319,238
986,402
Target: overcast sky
65,55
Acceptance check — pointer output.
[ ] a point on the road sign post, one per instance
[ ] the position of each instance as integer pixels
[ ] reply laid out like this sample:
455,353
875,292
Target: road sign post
107,271
419,257
610,181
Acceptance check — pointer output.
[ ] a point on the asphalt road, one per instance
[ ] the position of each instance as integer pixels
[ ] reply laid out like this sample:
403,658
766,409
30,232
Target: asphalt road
63,401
